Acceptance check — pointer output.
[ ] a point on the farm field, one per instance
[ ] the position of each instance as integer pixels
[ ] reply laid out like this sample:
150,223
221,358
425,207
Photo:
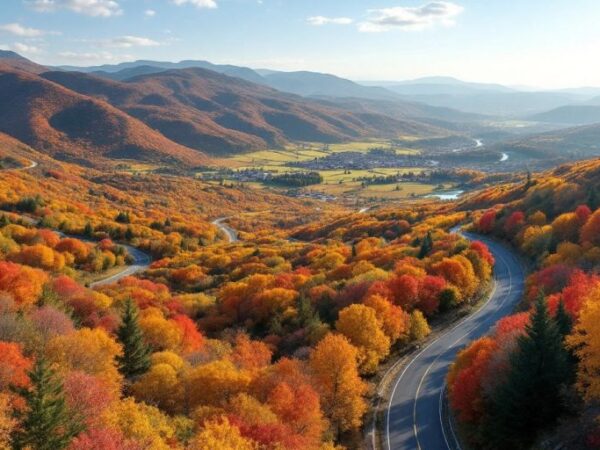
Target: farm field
280,157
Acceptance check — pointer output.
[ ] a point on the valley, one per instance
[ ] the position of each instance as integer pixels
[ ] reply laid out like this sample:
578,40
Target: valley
201,255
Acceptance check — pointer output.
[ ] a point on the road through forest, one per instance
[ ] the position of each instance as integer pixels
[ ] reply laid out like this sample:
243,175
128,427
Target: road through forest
414,418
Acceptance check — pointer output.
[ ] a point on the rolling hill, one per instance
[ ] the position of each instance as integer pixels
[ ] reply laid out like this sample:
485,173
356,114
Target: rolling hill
16,61
563,144
304,83
75,127
221,115
570,115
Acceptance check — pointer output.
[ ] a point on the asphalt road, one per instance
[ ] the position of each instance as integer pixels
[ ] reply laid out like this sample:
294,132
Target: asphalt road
414,415
226,229
141,261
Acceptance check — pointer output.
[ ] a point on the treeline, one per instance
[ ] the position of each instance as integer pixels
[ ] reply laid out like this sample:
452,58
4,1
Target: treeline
295,179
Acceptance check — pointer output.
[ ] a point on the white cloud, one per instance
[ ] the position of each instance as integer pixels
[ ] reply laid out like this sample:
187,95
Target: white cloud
211,4
94,8
25,48
20,30
411,18
95,57
130,41
320,20
149,13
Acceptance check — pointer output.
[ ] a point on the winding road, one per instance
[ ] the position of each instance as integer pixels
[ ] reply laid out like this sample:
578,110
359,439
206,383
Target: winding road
141,260
231,234
414,418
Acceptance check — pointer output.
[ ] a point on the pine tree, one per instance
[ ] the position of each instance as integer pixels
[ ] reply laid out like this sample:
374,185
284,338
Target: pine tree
529,399
88,230
136,354
563,320
46,422
426,245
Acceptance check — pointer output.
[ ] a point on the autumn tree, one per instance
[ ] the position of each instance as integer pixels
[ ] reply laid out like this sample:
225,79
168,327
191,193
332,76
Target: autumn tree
221,434
419,328
334,365
590,232
529,399
46,422
136,354
360,325
585,341
91,351
394,321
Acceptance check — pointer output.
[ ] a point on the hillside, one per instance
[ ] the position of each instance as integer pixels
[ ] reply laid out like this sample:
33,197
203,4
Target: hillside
570,115
218,114
71,126
17,61
313,84
568,143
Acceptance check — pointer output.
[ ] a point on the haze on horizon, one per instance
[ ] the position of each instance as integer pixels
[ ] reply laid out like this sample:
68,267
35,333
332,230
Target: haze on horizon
544,44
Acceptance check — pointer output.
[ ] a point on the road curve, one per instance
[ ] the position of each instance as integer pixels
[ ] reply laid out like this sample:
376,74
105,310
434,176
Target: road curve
231,234
141,261
414,414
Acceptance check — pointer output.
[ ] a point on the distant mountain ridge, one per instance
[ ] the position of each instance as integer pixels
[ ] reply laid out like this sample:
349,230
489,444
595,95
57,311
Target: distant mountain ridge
174,115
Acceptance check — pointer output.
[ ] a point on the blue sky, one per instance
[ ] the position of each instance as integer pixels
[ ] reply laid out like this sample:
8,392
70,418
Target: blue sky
551,43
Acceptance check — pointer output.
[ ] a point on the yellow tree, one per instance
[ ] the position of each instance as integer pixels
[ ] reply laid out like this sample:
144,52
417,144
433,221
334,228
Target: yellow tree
360,325
213,384
220,434
585,340
87,350
394,321
160,386
334,366
419,328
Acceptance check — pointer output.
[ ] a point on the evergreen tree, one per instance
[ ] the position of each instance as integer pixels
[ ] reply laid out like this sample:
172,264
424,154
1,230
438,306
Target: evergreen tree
88,230
46,422
128,234
529,399
593,202
563,320
136,354
426,245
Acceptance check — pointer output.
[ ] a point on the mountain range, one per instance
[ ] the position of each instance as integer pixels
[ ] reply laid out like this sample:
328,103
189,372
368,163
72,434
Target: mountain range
176,115
191,111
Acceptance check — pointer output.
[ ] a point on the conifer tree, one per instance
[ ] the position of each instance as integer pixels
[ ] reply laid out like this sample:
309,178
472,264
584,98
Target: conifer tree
563,320
136,354
46,422
426,245
529,399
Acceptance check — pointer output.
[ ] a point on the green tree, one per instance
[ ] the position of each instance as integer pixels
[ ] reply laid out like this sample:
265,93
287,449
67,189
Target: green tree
136,354
563,320
46,422
530,397
426,245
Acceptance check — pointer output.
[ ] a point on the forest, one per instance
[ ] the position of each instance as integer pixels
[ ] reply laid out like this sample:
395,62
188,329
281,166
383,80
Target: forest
217,343
535,376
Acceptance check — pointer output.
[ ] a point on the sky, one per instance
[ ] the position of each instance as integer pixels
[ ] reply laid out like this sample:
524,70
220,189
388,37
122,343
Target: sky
547,44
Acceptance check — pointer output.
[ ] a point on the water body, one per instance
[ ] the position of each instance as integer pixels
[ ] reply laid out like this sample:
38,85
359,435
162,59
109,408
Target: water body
478,144
446,195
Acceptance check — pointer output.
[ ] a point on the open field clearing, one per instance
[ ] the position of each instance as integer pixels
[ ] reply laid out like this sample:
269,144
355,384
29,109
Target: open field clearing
304,152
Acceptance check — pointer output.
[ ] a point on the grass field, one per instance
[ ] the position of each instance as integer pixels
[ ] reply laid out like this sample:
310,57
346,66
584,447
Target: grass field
335,182
302,152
